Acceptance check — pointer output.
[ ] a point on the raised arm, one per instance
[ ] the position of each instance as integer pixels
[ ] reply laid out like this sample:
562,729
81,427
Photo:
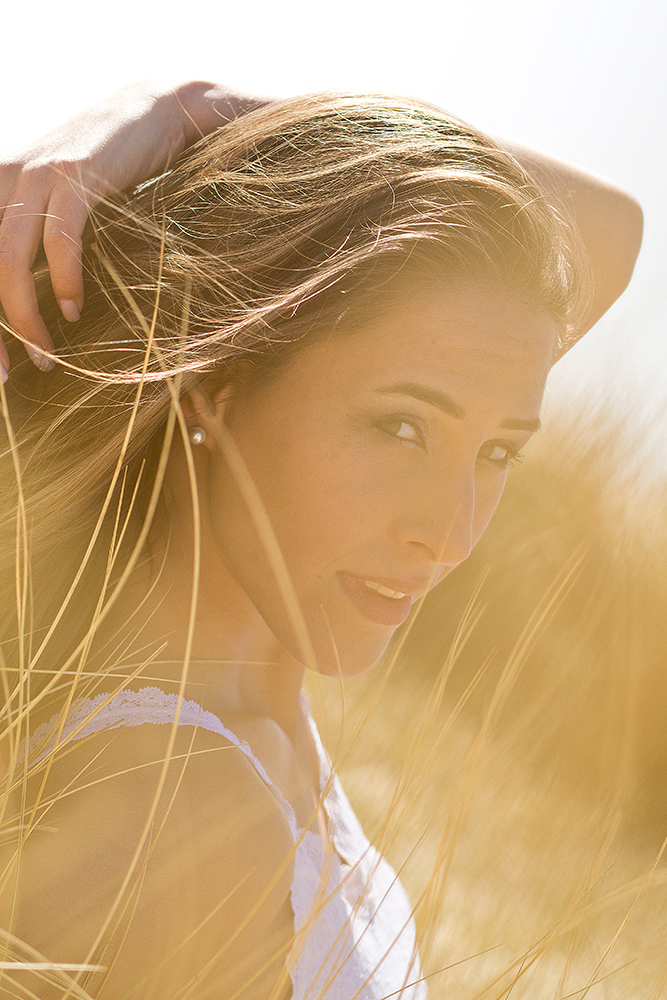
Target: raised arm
608,220
48,189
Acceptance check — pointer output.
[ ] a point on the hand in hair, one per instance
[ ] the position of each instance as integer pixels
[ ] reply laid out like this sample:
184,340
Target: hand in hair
48,189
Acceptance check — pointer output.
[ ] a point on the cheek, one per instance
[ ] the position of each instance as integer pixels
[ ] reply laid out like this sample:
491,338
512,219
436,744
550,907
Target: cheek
310,493
315,523
318,487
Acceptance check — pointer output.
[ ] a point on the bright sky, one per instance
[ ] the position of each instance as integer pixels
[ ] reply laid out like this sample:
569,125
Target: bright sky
582,79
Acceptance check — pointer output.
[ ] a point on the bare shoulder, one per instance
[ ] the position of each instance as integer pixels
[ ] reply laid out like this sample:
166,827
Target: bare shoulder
141,845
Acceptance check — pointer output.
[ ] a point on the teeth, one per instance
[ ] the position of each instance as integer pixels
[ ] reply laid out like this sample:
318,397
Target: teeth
385,591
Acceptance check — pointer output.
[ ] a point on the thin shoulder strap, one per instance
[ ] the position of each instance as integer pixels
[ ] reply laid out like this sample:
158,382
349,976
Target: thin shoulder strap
345,829
149,705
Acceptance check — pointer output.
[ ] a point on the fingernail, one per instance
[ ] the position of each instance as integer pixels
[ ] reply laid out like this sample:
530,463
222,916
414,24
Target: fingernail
70,310
4,374
38,358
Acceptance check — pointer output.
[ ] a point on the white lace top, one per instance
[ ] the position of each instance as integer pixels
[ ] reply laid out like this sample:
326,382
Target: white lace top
354,933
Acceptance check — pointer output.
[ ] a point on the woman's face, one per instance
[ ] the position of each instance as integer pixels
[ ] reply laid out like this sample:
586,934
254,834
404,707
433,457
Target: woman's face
380,457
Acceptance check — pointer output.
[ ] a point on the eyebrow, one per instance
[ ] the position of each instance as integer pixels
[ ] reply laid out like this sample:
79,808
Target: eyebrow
448,405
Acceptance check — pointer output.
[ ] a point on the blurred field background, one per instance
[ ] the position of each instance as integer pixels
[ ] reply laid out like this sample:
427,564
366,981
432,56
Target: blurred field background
511,754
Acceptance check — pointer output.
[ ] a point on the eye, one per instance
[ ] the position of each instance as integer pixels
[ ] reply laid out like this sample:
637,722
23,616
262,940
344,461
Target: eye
403,429
499,453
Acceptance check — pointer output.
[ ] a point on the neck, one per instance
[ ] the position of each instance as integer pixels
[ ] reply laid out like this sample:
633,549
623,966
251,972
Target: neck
220,650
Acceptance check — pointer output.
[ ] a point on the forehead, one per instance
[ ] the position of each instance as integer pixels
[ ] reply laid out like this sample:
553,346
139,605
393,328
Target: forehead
472,340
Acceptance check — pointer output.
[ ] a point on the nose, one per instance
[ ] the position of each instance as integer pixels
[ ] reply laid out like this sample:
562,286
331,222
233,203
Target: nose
438,522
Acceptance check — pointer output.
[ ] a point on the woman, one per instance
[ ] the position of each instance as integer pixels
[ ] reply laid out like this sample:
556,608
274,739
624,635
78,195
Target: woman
306,360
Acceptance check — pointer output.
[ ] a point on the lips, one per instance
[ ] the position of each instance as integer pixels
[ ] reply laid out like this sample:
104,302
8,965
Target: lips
375,602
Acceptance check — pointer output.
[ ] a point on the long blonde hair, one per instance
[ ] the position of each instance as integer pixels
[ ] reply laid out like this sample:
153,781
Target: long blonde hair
285,225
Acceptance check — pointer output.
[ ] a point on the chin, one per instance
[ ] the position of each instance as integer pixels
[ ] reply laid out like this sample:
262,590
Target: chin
346,651
349,658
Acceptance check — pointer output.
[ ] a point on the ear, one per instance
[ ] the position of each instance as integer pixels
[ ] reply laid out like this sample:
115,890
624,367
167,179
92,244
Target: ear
204,406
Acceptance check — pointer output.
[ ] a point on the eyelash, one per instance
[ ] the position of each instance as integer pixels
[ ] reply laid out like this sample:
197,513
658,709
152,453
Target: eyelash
513,457
397,419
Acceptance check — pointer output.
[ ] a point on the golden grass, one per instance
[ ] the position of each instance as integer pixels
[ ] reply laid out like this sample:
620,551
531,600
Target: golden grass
531,811
525,877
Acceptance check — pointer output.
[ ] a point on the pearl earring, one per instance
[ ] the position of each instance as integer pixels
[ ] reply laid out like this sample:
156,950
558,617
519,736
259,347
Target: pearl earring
197,435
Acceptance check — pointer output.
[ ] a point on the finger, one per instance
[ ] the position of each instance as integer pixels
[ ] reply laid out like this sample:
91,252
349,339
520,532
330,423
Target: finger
63,230
4,362
20,234
20,304
22,313
9,173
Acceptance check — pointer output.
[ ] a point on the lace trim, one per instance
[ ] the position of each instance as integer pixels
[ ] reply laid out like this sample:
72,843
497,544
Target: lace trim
135,708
